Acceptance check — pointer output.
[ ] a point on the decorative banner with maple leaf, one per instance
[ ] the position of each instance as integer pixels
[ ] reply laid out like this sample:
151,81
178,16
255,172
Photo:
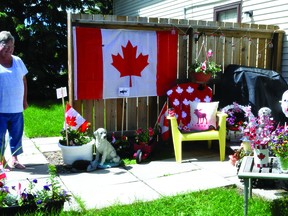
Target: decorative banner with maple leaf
108,59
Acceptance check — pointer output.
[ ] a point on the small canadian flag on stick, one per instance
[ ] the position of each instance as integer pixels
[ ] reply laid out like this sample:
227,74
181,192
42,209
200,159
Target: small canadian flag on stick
2,172
163,122
75,120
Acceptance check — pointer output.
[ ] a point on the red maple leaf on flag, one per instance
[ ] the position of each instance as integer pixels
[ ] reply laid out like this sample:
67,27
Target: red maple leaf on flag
261,156
129,64
71,121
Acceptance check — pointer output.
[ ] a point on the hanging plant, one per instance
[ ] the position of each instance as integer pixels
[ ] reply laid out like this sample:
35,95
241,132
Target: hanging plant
206,67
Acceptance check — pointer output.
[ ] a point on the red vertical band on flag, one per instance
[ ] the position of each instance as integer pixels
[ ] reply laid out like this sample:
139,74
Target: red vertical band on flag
89,63
167,61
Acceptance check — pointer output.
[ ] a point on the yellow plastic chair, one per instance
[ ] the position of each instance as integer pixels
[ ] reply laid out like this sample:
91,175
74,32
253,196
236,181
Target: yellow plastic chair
178,137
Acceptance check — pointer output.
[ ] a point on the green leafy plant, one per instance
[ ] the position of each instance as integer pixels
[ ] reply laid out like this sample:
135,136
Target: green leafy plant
122,145
146,135
207,67
75,137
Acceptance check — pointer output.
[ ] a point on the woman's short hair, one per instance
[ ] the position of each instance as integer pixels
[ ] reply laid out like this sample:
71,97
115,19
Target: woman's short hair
6,36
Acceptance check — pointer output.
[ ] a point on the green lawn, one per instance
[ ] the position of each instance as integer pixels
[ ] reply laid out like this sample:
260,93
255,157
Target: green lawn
213,202
44,119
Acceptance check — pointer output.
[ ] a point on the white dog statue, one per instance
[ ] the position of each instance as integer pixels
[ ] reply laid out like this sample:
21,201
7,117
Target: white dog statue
264,111
103,148
264,115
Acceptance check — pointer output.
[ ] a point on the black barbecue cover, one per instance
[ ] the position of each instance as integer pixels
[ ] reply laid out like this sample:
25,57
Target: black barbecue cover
252,86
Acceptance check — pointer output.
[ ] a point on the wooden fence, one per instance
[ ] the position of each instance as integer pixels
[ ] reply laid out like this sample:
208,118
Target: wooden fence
232,43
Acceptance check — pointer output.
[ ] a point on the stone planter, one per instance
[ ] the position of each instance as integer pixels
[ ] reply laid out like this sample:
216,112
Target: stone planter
73,153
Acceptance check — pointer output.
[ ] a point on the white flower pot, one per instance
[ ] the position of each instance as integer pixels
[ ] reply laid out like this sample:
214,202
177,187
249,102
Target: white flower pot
73,153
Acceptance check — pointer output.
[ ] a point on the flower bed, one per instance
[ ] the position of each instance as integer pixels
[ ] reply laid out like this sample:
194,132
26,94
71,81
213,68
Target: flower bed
34,197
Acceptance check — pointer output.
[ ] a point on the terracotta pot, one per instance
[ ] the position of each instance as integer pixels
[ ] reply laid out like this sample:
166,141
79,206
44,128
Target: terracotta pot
201,77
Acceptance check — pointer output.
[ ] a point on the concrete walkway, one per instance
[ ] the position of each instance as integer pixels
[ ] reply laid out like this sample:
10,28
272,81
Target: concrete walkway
146,181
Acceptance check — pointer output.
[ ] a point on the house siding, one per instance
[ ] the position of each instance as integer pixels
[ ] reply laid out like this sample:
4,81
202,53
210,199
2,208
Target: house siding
151,8
272,12
268,12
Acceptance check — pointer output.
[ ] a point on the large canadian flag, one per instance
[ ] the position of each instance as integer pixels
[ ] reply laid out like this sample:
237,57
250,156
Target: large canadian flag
106,60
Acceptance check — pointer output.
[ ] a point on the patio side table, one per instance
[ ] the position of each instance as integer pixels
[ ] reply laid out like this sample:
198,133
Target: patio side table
248,171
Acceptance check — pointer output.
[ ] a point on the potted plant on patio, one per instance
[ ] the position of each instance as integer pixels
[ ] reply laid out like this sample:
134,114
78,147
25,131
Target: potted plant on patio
145,140
76,142
22,199
76,145
258,132
122,145
238,116
202,71
279,146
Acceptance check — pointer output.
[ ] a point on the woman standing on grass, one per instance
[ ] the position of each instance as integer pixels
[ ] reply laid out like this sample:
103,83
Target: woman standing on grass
13,99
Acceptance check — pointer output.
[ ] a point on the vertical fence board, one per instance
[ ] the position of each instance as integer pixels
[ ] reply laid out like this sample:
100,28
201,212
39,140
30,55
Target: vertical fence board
111,114
153,108
268,59
121,114
219,50
142,112
229,55
99,114
261,53
277,58
77,105
88,111
182,57
253,48
132,113
236,47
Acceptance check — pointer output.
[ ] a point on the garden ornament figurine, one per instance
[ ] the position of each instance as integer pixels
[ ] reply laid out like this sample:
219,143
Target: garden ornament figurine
264,115
109,157
284,103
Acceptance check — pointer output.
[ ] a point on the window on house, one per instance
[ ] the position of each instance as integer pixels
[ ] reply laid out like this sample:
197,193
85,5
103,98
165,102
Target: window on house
228,13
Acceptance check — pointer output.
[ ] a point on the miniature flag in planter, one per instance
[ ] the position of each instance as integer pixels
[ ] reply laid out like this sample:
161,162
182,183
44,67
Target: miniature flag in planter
75,120
108,59
163,122
2,172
